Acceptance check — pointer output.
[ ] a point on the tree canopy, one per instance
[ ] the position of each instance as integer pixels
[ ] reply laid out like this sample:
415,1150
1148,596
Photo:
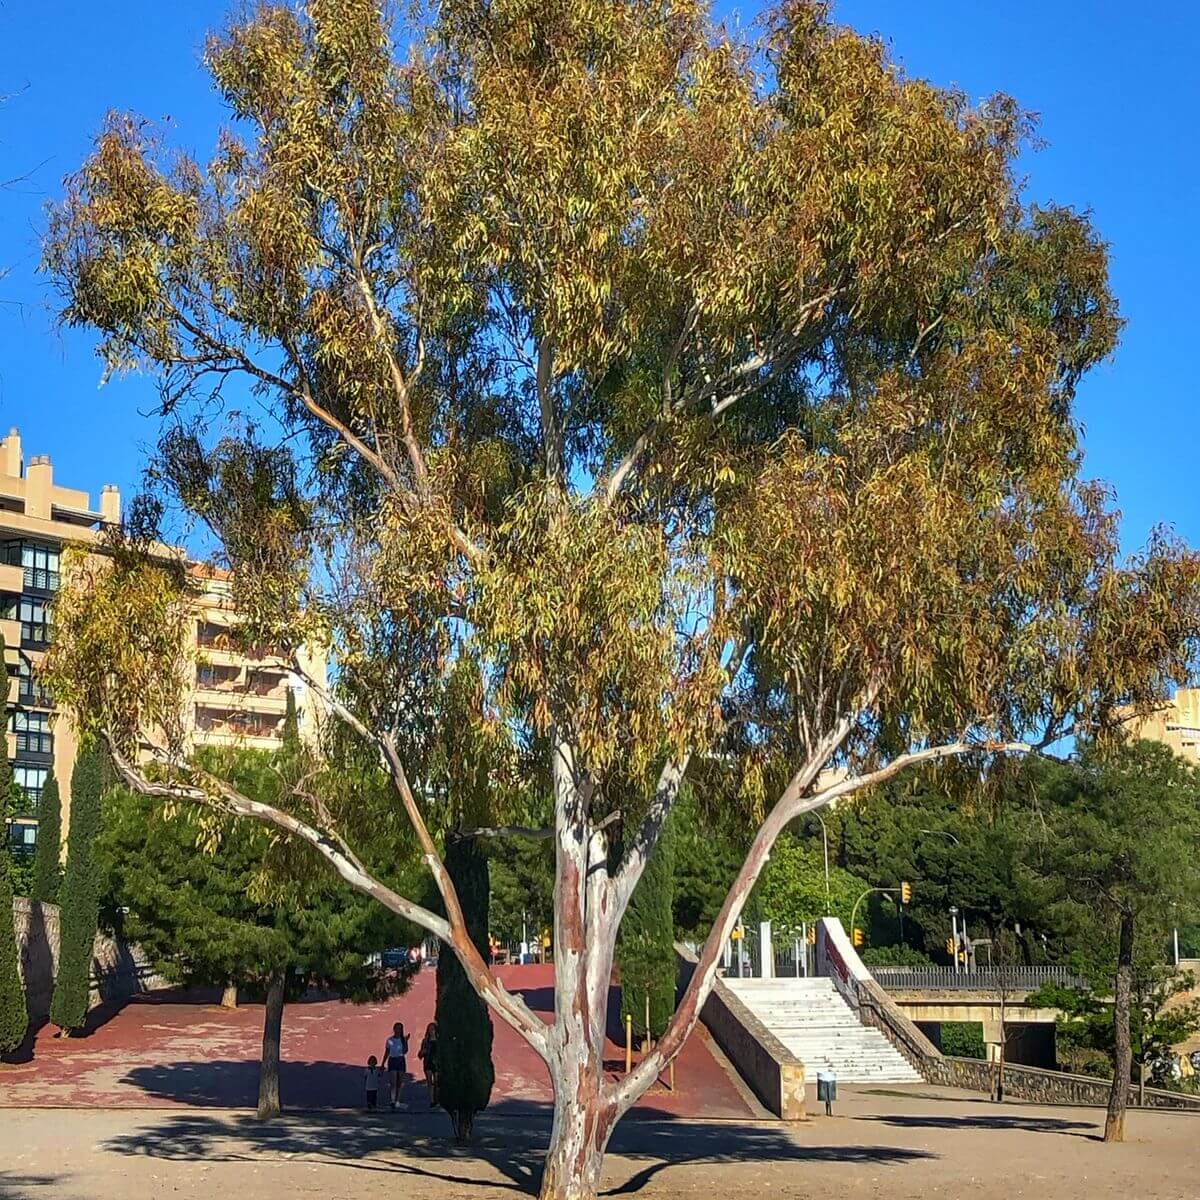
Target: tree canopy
646,401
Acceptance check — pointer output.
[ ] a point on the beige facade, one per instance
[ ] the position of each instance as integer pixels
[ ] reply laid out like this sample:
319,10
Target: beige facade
240,697
1176,724
237,699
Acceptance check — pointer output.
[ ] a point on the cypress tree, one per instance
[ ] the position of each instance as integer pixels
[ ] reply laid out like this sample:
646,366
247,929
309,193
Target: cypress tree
464,1028
646,945
14,1017
80,909
291,724
47,869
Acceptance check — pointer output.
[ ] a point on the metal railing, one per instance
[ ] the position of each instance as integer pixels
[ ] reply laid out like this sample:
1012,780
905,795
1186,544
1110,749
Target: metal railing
981,979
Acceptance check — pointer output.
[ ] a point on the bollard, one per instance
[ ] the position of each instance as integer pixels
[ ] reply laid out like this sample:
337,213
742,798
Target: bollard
628,1043
827,1090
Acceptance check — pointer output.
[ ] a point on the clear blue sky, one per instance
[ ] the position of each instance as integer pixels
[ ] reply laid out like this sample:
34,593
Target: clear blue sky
1116,85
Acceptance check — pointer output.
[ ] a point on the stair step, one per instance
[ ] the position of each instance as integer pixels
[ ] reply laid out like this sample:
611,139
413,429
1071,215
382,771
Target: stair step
811,1018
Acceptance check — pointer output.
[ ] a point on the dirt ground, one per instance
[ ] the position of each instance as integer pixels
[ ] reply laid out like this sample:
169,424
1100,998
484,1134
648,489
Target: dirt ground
911,1142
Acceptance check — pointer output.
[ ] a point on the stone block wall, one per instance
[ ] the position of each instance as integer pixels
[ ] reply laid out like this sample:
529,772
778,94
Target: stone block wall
774,1073
118,969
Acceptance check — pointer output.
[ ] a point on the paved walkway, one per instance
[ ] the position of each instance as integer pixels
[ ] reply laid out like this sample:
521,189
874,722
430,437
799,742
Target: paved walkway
902,1145
167,1049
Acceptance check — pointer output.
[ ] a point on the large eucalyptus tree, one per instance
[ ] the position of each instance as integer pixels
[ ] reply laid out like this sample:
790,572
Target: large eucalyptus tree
705,404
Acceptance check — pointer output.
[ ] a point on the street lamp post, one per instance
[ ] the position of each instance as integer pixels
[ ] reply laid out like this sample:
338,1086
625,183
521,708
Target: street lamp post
825,847
954,933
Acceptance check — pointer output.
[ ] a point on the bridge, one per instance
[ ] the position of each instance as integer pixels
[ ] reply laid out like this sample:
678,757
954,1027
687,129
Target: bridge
995,997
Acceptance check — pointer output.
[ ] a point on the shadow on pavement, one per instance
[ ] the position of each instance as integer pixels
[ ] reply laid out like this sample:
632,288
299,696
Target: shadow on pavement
422,1146
981,1121
233,1083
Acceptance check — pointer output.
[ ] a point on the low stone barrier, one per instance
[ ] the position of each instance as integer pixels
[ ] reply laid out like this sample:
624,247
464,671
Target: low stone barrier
774,1073
1048,1087
118,969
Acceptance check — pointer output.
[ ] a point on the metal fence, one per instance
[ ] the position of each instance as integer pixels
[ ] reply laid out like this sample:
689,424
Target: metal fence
981,979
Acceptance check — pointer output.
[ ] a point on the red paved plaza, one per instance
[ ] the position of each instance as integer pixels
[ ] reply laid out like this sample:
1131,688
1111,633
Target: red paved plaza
167,1049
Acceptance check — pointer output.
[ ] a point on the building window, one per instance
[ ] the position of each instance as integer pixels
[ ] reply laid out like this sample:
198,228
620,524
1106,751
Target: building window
31,690
34,616
40,564
33,733
32,782
22,838
210,676
215,637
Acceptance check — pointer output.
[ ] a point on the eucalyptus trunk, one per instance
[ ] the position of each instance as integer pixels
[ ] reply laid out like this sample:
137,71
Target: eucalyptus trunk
1118,1098
578,1139
268,1072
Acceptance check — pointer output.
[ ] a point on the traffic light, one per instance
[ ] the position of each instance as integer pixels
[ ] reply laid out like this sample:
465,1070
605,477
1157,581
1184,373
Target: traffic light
905,892
858,937
950,946
812,935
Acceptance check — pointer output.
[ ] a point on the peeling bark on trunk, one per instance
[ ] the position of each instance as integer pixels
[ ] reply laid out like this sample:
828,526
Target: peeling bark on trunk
582,1123
1118,1098
268,1071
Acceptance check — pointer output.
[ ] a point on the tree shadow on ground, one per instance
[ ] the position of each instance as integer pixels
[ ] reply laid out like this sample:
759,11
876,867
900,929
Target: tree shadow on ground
233,1083
510,1138
22,1187
995,1121
24,1053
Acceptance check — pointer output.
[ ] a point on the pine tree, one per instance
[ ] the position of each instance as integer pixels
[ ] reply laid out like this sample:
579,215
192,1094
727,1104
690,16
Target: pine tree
464,1028
80,895
14,1017
646,945
242,911
47,868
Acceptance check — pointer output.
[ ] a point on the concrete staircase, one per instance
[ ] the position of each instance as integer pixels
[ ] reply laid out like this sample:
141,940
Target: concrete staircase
812,1020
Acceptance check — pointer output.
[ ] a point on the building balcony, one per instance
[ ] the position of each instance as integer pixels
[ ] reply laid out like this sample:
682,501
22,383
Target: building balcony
227,736
240,700
12,579
11,628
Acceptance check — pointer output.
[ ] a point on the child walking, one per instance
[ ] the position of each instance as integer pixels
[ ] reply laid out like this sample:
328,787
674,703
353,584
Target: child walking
371,1078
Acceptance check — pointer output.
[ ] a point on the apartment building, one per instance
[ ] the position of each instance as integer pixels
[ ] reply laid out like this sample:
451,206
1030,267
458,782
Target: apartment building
238,698
1176,724
240,695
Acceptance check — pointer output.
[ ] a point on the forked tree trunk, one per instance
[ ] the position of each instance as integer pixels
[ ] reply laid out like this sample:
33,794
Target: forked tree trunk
1118,1098
268,1071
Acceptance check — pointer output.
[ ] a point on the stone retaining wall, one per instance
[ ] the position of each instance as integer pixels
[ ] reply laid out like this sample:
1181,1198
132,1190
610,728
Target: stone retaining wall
774,1073
118,969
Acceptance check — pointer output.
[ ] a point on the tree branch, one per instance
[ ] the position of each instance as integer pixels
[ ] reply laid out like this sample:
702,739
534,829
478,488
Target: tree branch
792,803
226,798
721,394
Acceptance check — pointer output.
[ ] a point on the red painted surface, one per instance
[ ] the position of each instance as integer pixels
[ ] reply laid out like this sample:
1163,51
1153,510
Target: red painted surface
167,1049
